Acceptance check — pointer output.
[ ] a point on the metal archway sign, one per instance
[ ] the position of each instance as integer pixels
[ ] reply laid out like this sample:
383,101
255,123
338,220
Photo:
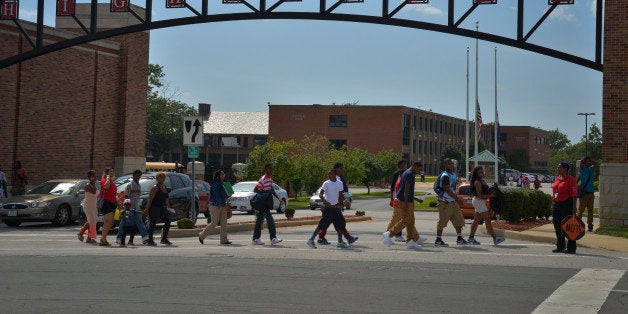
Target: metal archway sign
261,11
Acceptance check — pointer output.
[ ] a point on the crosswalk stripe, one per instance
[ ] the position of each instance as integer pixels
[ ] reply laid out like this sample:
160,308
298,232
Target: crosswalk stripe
585,292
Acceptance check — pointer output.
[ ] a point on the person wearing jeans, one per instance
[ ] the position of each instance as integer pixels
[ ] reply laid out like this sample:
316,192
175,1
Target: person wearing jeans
217,209
585,176
265,191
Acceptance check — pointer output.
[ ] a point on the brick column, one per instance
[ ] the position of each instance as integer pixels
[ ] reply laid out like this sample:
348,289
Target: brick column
614,169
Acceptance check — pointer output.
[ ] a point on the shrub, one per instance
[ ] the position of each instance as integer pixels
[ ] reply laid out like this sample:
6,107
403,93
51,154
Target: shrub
596,185
289,212
360,213
433,204
526,204
185,223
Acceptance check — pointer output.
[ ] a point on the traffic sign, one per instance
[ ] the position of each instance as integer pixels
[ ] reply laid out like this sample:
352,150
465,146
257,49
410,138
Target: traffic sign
193,131
192,151
572,227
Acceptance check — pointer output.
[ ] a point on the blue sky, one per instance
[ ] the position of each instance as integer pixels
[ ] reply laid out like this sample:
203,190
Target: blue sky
243,65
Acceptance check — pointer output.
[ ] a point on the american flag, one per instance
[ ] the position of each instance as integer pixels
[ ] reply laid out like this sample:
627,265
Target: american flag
478,118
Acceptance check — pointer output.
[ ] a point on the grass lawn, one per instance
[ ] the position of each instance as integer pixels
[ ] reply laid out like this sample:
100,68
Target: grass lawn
427,179
613,231
303,201
380,194
425,206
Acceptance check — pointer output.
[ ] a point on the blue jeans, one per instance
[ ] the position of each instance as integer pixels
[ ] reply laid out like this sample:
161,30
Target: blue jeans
136,218
259,221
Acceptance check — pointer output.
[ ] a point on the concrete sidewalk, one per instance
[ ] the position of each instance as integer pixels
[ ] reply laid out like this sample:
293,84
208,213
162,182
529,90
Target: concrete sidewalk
546,234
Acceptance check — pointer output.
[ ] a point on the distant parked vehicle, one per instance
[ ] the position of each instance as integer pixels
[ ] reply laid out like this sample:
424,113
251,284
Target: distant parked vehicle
57,201
243,193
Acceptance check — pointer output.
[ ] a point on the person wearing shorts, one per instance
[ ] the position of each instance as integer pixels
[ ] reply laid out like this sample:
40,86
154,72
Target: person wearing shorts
448,208
480,192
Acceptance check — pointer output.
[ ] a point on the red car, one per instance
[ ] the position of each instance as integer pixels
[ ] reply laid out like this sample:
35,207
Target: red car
202,190
464,193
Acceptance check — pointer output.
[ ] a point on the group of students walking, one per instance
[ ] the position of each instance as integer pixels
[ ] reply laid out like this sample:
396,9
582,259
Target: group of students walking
334,195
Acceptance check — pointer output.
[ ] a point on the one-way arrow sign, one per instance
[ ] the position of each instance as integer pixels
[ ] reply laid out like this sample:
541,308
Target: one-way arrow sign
193,131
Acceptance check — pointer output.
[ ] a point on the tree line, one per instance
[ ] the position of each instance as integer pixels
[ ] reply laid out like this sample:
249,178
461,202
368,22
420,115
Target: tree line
303,165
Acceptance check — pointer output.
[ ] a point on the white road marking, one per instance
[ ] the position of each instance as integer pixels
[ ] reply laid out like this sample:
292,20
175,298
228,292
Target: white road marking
585,292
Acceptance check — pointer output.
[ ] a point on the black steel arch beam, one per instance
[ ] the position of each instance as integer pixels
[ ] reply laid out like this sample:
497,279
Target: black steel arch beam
301,16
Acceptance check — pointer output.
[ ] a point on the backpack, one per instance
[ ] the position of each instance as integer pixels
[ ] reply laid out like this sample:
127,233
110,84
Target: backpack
438,187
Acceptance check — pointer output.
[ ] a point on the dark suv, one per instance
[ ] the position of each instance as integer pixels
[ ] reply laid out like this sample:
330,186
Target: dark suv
179,188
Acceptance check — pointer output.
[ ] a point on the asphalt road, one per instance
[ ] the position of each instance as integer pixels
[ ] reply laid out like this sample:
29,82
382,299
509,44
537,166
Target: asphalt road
45,269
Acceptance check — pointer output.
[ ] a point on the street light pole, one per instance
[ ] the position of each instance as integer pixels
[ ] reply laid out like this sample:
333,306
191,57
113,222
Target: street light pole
586,130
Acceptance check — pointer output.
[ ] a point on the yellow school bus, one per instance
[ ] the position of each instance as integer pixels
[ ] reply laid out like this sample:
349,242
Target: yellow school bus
164,166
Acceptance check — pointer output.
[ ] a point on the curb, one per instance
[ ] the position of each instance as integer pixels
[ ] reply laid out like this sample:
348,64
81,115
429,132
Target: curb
249,226
593,242
520,235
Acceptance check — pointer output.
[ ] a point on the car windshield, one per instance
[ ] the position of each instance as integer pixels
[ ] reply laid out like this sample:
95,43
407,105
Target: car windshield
146,183
55,188
244,187
465,190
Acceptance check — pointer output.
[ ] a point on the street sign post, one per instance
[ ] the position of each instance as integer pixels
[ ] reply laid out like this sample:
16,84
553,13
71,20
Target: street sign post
193,152
193,131
193,138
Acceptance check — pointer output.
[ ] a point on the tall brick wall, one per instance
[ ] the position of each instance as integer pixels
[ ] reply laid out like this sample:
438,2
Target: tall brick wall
65,95
614,169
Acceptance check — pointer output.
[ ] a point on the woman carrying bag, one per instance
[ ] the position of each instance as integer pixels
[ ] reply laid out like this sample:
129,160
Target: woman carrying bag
218,209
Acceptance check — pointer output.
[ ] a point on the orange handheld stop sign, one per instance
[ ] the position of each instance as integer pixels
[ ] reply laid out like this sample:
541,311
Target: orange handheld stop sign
572,227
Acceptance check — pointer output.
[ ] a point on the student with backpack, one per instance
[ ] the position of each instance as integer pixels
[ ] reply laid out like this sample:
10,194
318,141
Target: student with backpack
448,208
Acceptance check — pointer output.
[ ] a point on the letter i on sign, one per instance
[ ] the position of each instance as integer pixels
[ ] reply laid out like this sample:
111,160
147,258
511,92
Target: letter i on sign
66,7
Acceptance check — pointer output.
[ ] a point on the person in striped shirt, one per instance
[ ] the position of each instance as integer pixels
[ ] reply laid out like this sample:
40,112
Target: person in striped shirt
265,192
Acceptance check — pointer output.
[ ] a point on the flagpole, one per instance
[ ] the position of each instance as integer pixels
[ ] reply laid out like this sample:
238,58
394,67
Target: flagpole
496,123
477,101
466,133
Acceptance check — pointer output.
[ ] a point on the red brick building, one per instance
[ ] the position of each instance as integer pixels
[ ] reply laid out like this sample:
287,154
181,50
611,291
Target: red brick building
75,109
533,140
418,134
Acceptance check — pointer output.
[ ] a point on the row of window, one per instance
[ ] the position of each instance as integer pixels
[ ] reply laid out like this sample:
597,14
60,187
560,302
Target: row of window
541,140
540,163
243,141
429,147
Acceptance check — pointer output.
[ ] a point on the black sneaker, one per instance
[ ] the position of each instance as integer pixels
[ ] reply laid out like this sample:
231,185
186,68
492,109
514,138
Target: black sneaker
440,243
461,241
558,250
165,241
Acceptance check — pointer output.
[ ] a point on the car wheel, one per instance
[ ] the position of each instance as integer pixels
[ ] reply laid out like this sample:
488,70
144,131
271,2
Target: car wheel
312,208
282,206
12,223
63,216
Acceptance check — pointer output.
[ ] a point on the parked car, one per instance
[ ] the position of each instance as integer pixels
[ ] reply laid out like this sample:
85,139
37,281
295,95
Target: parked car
57,201
179,187
468,211
202,190
243,193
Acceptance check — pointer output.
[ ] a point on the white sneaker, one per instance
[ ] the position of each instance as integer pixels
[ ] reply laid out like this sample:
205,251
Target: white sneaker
421,240
400,239
413,245
275,240
258,242
387,240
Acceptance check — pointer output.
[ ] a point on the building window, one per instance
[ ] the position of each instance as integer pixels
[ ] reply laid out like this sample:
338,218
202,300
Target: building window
519,138
414,147
259,141
421,123
420,147
297,117
414,122
338,120
337,144
246,141
406,129
503,137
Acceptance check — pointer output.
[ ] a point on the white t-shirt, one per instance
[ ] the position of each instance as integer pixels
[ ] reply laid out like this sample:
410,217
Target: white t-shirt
332,191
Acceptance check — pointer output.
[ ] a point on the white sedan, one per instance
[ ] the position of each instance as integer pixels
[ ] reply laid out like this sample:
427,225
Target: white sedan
243,193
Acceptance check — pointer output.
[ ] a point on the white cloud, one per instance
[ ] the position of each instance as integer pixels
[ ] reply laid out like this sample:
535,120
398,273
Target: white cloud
427,9
562,12
27,14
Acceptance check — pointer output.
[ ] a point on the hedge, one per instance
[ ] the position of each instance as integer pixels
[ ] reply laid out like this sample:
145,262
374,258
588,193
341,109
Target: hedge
526,204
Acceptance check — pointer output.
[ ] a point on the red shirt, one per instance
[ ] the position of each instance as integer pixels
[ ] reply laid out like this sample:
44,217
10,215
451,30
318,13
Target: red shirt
564,188
265,183
108,194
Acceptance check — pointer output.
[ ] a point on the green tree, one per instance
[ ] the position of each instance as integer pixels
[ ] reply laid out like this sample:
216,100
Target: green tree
314,161
519,160
164,115
281,155
595,142
558,141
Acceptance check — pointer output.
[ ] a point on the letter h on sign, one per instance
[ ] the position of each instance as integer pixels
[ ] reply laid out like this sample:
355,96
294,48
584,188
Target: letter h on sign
175,4
119,6
9,9
66,7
